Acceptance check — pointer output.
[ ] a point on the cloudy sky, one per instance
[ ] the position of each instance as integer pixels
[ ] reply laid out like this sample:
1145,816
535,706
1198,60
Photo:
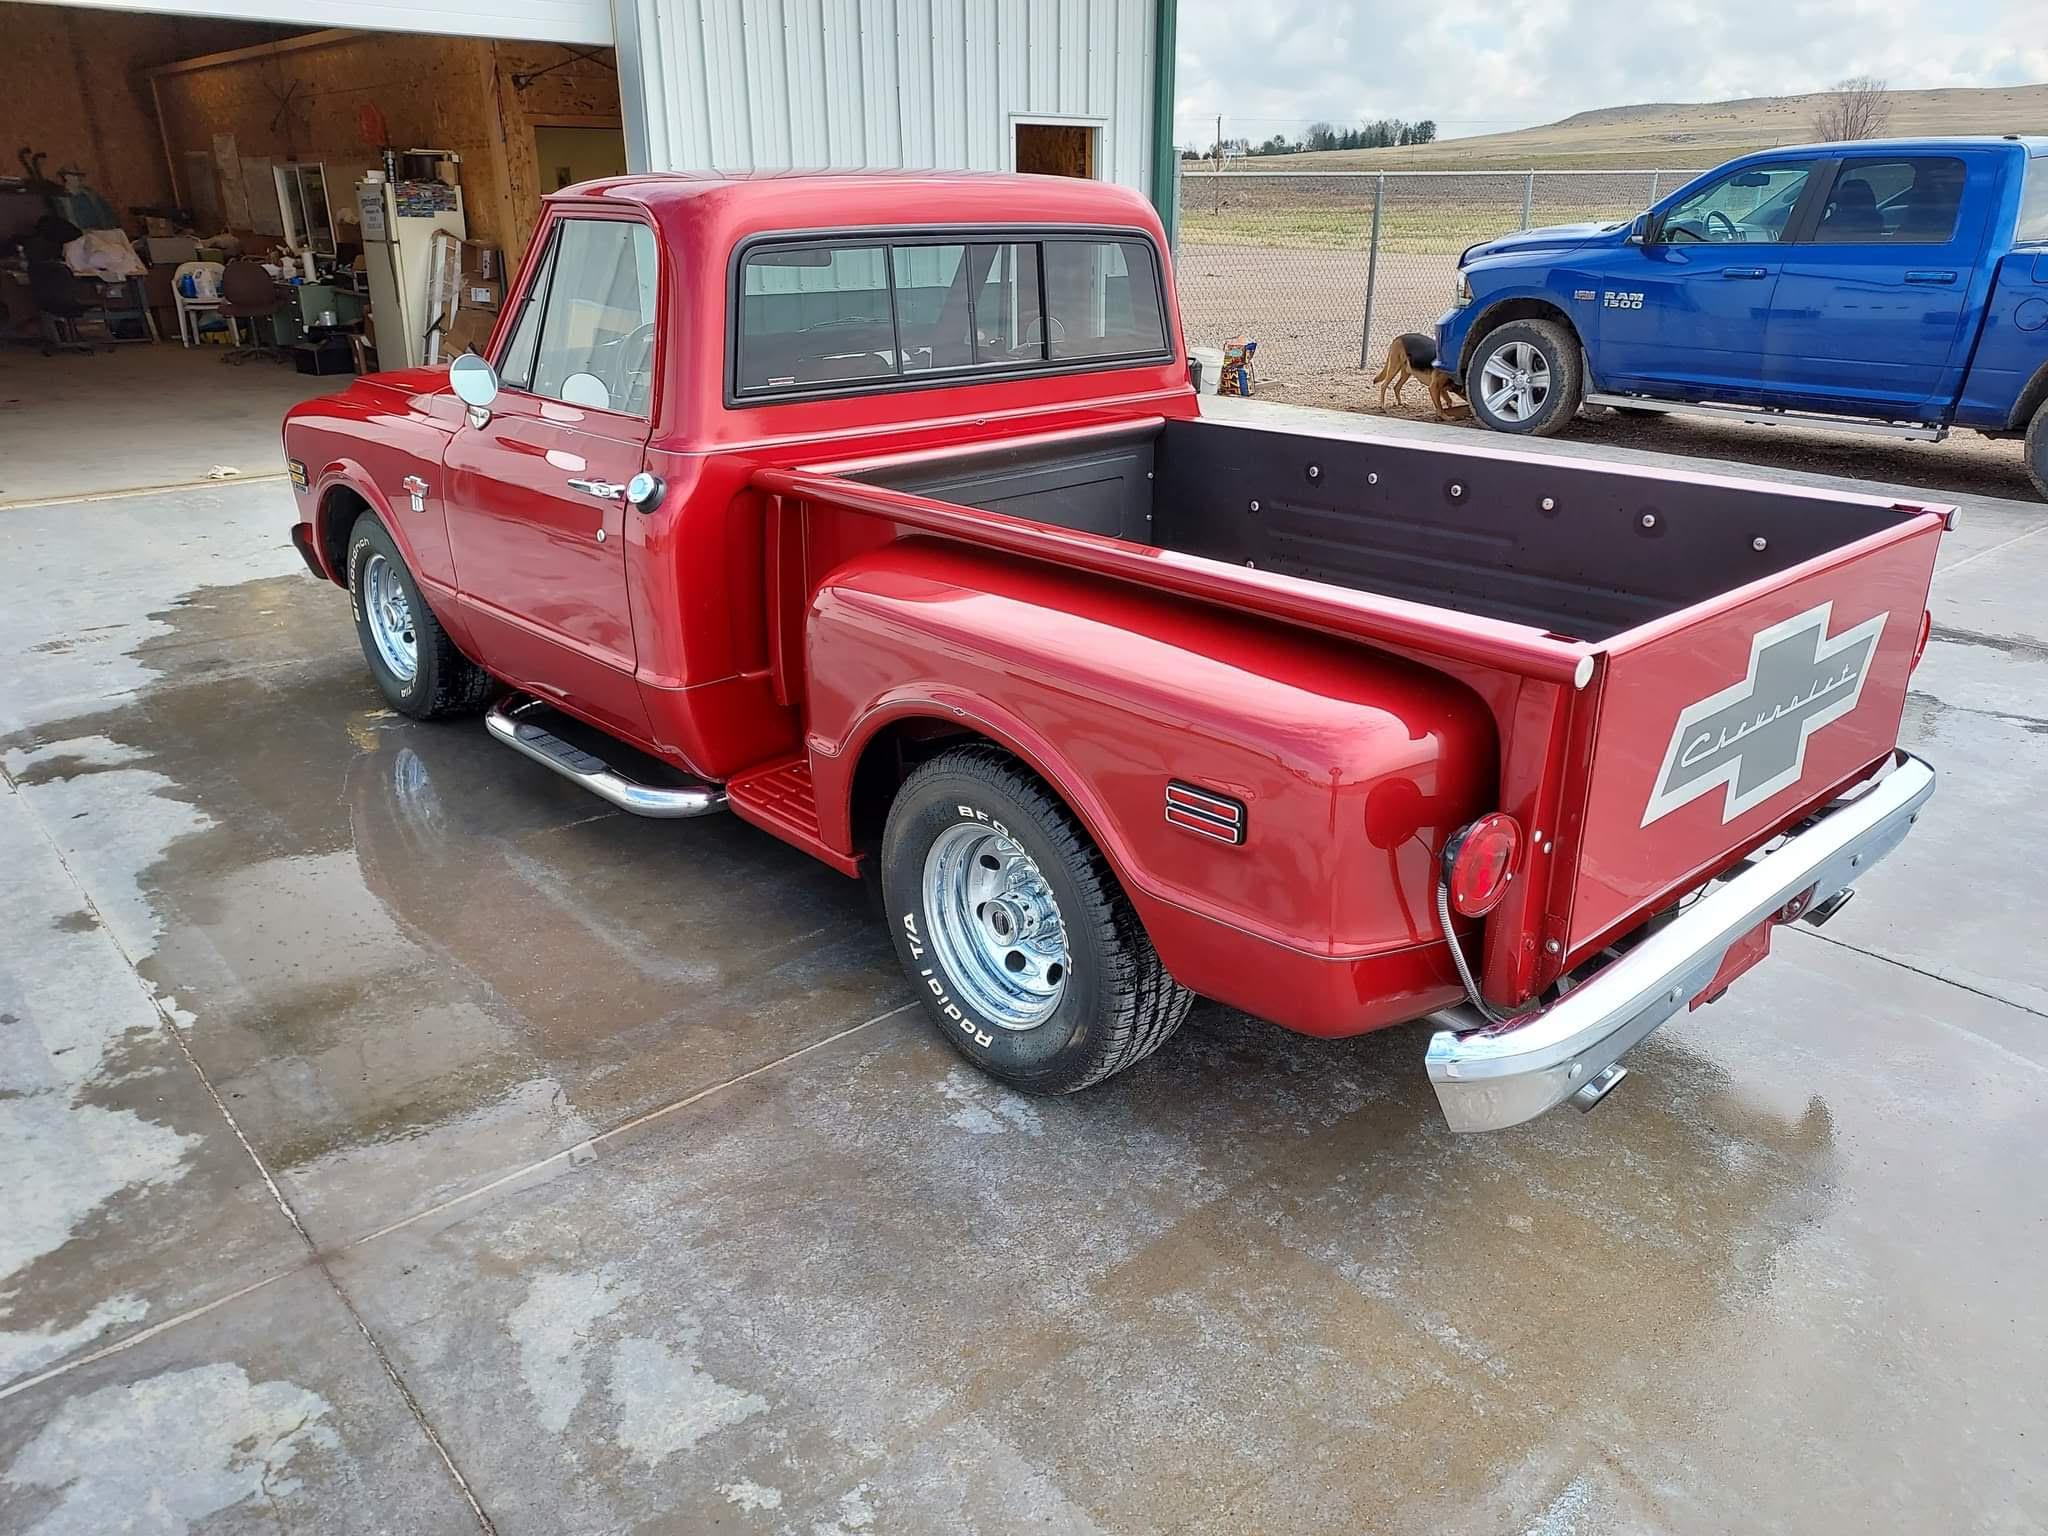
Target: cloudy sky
1487,66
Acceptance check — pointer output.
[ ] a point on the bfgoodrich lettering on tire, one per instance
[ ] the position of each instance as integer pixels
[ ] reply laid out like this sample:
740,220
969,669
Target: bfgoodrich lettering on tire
1024,950
410,655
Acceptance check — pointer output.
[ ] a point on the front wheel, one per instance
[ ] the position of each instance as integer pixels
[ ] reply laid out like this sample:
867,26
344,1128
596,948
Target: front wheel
1525,378
1025,952
411,656
2037,451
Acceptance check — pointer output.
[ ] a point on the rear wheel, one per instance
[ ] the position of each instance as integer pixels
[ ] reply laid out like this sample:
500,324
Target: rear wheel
414,662
2037,451
1525,378
1026,953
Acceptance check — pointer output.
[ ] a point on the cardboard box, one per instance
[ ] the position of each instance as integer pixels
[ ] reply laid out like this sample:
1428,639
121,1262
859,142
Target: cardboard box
472,328
481,293
484,262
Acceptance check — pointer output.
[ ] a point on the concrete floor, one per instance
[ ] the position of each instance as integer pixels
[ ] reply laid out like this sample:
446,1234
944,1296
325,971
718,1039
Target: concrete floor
394,1139
78,424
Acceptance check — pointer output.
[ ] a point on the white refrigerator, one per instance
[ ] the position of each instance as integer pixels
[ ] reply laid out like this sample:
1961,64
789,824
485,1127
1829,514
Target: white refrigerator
399,220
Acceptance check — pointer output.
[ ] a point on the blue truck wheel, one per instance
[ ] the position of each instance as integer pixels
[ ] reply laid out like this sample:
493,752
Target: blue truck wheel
1525,378
2037,451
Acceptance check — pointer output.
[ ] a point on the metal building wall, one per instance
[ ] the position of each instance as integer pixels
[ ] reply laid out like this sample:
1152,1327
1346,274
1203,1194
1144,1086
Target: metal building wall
762,84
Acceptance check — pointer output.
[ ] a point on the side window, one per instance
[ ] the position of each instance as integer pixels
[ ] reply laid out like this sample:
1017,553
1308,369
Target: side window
814,315
596,341
1911,201
1747,207
1102,299
2034,203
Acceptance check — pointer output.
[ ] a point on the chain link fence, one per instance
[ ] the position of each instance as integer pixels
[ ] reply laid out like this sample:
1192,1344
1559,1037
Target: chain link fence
1324,268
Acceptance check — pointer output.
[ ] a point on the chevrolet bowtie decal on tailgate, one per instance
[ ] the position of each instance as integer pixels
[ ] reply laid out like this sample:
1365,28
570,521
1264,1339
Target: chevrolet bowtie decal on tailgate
1752,735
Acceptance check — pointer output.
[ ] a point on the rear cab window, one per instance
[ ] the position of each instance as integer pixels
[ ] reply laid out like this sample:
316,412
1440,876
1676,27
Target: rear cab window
827,315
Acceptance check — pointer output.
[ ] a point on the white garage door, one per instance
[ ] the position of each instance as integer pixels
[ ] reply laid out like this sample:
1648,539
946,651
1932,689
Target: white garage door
587,22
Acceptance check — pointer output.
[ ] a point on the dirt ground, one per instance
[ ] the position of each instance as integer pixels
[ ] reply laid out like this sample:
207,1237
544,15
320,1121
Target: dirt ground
1306,306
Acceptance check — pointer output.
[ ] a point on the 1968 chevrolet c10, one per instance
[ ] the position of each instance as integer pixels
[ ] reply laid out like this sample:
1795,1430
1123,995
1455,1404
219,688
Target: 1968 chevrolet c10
879,510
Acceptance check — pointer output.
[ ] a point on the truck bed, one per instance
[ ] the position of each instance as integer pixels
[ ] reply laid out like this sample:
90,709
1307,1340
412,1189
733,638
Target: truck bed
1578,550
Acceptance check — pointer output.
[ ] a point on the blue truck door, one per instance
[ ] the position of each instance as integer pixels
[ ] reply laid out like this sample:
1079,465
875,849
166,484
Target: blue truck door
1683,312
1871,310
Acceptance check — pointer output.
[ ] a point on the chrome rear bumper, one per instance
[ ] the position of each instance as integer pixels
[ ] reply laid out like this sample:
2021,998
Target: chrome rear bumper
1499,1075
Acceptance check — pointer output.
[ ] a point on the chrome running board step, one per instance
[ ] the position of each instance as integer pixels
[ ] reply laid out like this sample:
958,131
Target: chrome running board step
510,722
1768,416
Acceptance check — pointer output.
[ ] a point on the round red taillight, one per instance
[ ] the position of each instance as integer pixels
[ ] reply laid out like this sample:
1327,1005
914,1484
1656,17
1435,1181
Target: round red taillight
1479,861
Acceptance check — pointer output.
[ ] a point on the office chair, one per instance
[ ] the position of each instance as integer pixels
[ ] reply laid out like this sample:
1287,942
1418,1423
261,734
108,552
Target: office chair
247,292
58,306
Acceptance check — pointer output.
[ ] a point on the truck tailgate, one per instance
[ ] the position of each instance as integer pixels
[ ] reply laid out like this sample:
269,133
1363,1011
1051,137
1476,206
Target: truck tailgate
1720,725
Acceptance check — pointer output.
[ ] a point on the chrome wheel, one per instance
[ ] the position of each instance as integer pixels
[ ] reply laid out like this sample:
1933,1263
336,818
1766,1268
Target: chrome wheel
1515,381
389,611
992,919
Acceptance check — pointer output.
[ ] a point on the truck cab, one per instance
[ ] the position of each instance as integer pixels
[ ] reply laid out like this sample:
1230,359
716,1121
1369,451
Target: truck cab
1897,284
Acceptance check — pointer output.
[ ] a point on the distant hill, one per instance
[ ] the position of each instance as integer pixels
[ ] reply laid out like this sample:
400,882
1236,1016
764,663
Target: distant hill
1688,136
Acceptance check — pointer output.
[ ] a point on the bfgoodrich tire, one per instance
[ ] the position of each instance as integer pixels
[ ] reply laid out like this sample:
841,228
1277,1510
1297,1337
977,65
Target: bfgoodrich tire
2037,451
1526,379
1024,950
414,662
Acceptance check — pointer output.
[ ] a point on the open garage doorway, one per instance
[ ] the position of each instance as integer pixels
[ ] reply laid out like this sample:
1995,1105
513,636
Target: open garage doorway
327,175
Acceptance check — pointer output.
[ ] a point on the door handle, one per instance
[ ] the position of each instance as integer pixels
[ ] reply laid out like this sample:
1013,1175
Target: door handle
1935,278
603,490
1744,272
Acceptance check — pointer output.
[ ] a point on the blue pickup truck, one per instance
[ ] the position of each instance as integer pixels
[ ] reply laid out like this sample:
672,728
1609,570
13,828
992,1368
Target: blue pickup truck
1891,286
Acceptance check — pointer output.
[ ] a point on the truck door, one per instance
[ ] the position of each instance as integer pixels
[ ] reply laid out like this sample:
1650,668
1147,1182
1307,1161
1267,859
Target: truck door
1871,308
1683,312
536,496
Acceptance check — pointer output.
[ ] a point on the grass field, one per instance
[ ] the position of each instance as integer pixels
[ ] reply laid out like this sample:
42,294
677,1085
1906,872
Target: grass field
1423,214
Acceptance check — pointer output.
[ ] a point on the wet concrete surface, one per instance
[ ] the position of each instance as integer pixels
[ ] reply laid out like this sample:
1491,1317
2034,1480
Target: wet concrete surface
384,1124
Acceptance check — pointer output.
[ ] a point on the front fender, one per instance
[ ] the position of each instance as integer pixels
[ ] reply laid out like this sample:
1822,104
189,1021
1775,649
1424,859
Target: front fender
1492,307
333,515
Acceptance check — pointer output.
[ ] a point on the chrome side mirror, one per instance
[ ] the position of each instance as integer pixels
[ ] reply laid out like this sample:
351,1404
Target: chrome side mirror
1639,232
475,383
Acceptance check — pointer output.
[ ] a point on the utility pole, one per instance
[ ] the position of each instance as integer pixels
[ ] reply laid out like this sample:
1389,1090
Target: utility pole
1218,189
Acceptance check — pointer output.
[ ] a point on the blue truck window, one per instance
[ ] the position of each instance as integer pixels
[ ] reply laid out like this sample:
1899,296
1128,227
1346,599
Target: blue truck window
2034,204
1751,206
1912,200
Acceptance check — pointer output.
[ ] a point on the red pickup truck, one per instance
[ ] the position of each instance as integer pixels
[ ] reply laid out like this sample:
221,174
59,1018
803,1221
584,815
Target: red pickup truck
879,510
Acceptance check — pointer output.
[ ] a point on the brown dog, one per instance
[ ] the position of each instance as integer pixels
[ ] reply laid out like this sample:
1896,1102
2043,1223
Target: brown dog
1413,356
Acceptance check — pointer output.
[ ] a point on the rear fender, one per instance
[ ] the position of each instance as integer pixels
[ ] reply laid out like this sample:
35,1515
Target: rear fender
1351,766
2007,377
